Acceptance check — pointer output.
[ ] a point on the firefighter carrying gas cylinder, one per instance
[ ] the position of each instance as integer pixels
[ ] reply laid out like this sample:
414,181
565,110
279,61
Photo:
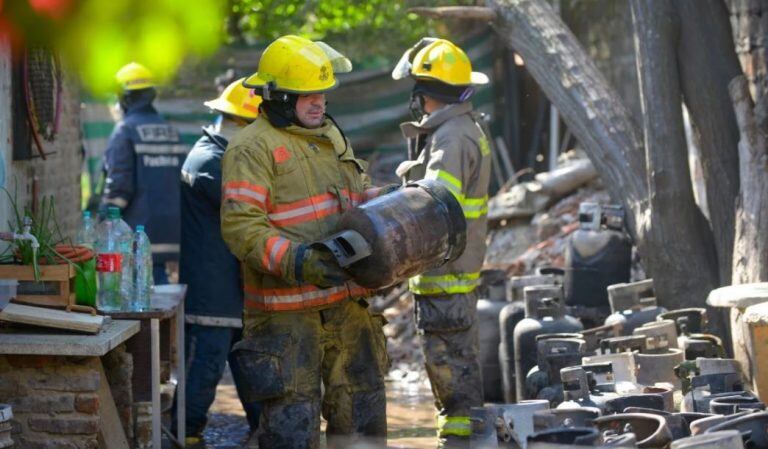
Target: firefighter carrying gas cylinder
287,177
447,144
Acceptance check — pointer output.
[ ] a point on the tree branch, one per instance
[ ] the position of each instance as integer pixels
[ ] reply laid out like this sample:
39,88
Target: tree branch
590,107
455,12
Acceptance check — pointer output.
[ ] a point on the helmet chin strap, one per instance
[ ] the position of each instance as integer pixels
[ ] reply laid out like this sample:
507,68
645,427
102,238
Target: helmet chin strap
416,106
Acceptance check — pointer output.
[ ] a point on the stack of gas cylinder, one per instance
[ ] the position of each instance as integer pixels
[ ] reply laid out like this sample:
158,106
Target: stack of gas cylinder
580,368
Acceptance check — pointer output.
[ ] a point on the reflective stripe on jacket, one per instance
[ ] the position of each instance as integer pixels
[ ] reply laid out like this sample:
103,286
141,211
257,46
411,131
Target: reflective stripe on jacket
283,187
457,154
142,164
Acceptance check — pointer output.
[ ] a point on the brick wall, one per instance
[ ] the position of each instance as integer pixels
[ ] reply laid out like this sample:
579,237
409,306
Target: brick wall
59,174
54,399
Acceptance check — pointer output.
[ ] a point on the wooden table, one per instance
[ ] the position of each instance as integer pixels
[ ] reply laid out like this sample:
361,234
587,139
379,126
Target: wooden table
167,306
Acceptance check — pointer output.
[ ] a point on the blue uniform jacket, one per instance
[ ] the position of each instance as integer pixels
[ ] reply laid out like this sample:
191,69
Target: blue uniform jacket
142,164
215,294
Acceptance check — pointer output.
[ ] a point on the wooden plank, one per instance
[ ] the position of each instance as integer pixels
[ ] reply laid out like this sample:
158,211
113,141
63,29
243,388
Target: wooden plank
57,319
111,432
47,272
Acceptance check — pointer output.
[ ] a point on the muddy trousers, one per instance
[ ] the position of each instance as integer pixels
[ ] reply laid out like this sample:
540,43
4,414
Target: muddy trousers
448,329
207,350
293,352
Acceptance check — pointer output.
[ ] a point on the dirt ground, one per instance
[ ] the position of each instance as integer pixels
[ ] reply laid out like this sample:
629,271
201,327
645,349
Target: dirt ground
410,414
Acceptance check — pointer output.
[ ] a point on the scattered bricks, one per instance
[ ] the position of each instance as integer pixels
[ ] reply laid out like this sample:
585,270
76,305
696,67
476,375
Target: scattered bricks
37,403
61,425
85,380
87,403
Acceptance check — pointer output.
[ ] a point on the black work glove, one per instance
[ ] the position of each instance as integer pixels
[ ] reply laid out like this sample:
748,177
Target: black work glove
319,267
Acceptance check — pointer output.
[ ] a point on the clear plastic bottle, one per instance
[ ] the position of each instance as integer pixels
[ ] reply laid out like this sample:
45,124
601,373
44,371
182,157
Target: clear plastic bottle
85,279
87,234
126,249
142,271
109,262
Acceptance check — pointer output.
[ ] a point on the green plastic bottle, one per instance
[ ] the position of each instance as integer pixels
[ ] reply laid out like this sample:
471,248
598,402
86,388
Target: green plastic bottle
85,279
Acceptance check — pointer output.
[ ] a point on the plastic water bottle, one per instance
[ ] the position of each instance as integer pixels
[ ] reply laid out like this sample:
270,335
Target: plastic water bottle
142,271
85,279
87,234
109,262
126,249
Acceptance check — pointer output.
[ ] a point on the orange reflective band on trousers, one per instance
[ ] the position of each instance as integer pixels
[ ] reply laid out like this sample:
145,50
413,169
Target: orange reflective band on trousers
299,298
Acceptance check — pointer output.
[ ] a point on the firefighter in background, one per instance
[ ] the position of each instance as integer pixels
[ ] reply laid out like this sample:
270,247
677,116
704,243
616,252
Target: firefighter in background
142,163
447,144
214,302
287,177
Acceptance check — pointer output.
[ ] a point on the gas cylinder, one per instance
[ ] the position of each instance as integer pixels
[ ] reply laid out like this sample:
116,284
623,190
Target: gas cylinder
544,314
395,236
597,255
510,315
691,326
490,338
632,305
579,389
554,352
516,284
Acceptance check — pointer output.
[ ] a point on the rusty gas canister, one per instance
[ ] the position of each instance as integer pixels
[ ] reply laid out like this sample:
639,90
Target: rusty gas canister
412,230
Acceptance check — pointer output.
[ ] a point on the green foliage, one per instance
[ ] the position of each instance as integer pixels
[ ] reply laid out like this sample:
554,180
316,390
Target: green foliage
370,32
97,37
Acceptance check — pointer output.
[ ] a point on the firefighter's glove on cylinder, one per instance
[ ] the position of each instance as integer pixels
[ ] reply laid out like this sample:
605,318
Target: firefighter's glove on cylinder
389,188
318,267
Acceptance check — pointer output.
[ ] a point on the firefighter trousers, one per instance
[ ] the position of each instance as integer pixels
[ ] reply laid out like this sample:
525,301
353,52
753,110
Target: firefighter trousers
291,353
448,328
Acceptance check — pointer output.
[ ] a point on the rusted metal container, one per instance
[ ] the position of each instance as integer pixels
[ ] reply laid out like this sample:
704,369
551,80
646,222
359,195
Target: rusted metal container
412,230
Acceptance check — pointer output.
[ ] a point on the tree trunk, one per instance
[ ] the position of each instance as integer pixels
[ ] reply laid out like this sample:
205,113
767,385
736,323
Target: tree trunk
690,264
707,62
602,124
750,254
590,107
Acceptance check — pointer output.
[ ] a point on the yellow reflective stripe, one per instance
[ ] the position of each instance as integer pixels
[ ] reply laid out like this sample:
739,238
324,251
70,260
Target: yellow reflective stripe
485,147
454,425
475,207
445,284
450,181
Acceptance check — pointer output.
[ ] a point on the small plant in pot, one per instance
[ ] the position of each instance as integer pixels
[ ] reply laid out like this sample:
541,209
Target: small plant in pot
43,260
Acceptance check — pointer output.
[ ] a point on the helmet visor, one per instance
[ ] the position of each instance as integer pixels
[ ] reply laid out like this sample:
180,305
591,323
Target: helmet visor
339,62
404,65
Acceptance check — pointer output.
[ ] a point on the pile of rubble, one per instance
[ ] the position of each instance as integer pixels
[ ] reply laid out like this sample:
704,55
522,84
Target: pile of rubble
530,222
